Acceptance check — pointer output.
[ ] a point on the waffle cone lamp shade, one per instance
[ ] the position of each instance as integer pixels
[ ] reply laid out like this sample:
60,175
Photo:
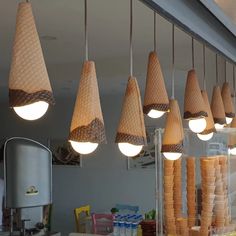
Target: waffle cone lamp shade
228,103
194,107
87,126
207,134
131,134
30,92
232,138
156,101
217,108
172,143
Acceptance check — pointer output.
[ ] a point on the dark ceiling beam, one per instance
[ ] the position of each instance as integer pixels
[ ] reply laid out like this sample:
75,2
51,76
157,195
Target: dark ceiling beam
196,20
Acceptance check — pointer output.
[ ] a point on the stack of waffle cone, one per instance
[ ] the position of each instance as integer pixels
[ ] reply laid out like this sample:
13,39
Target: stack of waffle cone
208,194
131,128
217,107
170,223
191,191
194,106
183,227
173,135
232,135
210,127
156,97
227,100
87,122
28,81
178,188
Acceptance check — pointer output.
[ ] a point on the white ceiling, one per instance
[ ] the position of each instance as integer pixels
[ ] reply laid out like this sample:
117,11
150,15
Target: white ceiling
108,43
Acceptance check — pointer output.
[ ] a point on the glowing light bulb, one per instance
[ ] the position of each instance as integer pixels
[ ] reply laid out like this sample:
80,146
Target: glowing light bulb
219,126
205,137
232,151
172,155
32,111
228,120
155,113
83,147
197,125
130,150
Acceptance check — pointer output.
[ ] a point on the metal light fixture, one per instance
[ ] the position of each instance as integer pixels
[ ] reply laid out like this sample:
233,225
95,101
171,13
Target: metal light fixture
217,105
194,107
156,102
172,143
87,125
227,100
131,134
208,133
30,92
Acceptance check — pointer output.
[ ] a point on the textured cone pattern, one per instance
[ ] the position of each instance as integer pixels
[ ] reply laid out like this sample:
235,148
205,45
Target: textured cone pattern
227,100
173,135
210,127
131,127
217,106
194,106
87,122
232,136
155,96
28,82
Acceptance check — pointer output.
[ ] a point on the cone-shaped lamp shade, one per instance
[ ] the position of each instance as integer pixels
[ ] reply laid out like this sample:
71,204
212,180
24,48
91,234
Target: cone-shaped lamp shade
217,108
87,126
156,101
232,138
210,128
29,85
228,103
173,135
131,129
194,106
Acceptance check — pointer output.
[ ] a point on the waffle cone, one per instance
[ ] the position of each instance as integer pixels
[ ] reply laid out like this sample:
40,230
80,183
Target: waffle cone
217,106
194,106
173,135
131,128
28,80
87,122
233,123
227,100
155,96
209,119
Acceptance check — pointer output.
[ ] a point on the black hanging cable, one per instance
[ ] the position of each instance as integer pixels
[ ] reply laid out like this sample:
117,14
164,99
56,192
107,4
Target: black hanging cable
204,68
234,84
131,38
225,71
86,29
217,79
173,63
154,33
193,64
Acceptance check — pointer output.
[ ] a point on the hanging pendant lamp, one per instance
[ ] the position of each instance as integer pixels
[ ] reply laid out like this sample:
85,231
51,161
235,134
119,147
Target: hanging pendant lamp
194,107
156,101
87,125
131,134
227,100
208,133
172,143
217,105
30,92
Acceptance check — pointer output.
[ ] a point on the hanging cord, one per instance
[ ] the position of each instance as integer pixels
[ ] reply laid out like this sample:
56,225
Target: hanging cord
204,68
217,79
173,63
225,71
234,84
154,33
86,29
131,38
193,64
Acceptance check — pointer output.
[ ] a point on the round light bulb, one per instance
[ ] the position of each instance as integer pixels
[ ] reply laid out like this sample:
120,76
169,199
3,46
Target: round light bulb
83,147
172,155
219,126
130,150
197,125
155,113
205,137
228,120
32,111
232,151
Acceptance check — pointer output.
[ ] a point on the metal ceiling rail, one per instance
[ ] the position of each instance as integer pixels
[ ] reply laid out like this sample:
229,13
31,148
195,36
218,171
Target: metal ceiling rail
195,19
